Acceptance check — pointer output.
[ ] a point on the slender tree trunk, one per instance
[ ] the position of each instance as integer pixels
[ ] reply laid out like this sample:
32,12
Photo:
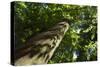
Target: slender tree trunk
39,49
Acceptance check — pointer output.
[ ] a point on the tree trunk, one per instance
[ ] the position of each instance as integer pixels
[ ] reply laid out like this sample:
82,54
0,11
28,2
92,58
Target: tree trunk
39,49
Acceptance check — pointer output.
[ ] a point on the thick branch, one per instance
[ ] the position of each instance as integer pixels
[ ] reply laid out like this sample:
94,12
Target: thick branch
39,49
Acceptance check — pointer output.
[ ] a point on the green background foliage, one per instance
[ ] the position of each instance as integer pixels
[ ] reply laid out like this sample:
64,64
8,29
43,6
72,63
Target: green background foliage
79,42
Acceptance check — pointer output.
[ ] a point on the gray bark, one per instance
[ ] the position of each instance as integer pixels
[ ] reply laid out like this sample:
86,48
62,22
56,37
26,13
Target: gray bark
39,49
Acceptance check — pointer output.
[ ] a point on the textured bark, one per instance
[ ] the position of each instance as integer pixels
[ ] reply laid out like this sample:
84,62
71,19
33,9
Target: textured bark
39,49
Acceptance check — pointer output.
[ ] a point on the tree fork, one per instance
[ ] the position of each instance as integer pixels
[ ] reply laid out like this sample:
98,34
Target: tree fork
39,49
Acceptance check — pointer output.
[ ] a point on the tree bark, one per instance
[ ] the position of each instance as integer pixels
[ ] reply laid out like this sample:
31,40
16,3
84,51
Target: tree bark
39,49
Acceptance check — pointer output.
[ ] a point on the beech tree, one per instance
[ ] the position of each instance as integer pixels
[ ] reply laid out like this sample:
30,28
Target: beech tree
41,22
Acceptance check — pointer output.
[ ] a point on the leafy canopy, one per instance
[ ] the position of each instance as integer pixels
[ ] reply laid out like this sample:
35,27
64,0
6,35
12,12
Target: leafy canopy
79,42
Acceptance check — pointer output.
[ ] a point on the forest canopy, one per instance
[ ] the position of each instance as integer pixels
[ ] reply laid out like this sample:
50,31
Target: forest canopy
79,42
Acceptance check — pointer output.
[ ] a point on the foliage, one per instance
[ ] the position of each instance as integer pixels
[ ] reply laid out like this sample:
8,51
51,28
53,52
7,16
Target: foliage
79,42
